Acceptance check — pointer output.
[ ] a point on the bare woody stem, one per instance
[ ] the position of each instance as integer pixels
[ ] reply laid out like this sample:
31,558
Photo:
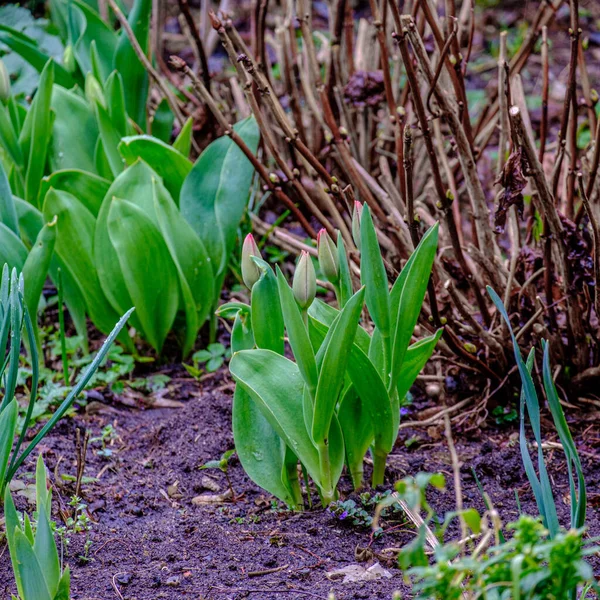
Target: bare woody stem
204,72
168,94
204,94
596,235
444,202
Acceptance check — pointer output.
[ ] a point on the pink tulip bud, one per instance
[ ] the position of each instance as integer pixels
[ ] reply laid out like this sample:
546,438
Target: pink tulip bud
305,281
250,270
328,257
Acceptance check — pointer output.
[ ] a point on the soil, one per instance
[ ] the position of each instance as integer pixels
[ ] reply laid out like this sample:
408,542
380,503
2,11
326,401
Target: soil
150,541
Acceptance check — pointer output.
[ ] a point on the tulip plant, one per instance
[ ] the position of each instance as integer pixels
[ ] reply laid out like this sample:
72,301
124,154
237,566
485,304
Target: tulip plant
340,396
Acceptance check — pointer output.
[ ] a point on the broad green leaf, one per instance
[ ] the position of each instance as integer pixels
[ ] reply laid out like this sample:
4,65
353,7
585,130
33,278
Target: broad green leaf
142,251
167,162
27,48
88,188
242,337
416,356
64,586
135,185
35,135
12,250
275,384
75,234
258,446
411,300
357,428
320,312
298,335
45,549
114,93
183,142
9,138
86,27
11,526
333,366
345,285
161,125
215,193
31,222
129,65
110,141
267,318
8,212
30,570
35,271
74,133
373,275
8,424
193,267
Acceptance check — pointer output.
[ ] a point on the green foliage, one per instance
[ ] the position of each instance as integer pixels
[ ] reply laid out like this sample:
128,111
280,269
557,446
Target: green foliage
344,384
112,202
14,319
530,406
35,561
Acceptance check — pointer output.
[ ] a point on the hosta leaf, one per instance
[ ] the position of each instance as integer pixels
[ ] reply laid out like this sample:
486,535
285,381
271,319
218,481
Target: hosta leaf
275,384
191,261
167,162
74,132
129,65
142,251
215,193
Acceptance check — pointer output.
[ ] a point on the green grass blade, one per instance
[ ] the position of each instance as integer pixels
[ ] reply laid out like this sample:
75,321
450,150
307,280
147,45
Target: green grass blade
68,401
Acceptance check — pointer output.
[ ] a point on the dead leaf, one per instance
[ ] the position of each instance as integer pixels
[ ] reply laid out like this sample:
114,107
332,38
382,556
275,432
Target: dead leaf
358,573
212,498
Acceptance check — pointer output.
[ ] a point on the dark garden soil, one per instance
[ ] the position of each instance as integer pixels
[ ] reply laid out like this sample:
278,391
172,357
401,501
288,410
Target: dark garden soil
151,541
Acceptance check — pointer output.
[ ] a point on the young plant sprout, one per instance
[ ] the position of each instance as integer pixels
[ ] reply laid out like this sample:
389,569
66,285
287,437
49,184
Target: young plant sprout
346,381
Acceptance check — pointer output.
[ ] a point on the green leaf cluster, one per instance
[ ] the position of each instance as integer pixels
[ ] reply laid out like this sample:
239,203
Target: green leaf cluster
16,327
340,396
128,219
35,561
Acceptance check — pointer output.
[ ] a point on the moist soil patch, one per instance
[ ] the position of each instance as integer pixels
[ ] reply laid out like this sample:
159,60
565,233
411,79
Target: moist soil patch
150,540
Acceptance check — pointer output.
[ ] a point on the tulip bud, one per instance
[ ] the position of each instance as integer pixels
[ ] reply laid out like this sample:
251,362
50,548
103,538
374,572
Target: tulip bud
4,82
69,59
328,257
250,270
356,223
93,91
305,282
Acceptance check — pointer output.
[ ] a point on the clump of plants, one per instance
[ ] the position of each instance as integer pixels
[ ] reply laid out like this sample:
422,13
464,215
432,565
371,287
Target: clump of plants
37,568
16,330
345,382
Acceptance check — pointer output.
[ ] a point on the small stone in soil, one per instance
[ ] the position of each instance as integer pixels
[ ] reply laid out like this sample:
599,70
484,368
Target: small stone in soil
124,578
173,581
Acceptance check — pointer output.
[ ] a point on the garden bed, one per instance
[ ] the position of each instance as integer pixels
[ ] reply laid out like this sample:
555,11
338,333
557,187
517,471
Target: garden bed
150,540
